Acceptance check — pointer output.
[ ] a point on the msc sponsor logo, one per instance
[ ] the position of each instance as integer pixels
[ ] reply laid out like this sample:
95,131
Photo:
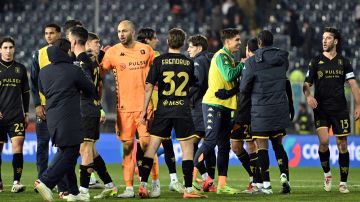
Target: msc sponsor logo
173,102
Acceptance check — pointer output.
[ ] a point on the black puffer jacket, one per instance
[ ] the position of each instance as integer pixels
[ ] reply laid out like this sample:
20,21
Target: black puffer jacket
264,77
61,83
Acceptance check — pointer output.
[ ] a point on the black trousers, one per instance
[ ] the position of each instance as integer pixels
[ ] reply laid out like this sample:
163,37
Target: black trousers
62,165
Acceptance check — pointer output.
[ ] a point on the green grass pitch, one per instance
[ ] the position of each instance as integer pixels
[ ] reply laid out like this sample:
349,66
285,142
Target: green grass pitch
306,184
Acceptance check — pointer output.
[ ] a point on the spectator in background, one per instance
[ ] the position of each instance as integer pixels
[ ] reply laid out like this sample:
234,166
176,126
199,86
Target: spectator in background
303,123
308,39
357,16
291,28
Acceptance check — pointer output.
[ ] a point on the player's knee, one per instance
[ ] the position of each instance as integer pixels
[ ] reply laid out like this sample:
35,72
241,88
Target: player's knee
127,147
251,147
237,148
342,146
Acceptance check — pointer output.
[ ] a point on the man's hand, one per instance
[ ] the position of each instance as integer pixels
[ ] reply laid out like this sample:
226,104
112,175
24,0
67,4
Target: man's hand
26,119
102,116
143,117
311,101
1,116
357,112
226,94
291,110
40,112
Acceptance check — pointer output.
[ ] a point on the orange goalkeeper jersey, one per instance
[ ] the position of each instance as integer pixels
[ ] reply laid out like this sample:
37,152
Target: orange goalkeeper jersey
130,67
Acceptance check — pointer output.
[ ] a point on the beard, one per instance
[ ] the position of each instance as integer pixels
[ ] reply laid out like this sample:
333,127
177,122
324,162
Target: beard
329,48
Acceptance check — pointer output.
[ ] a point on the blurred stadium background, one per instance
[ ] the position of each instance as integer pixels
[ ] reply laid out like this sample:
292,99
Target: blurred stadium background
297,25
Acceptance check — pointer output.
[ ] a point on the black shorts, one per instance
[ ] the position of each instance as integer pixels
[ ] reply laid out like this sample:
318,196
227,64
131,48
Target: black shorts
91,128
184,128
269,134
16,129
340,121
198,123
241,132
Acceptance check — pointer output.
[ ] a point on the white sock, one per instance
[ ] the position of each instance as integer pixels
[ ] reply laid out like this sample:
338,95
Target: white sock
130,188
189,189
83,189
204,176
173,177
259,185
109,185
15,182
266,184
327,174
342,183
156,182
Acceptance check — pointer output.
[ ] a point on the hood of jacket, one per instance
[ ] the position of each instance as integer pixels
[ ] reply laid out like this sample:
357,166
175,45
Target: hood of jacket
271,55
57,55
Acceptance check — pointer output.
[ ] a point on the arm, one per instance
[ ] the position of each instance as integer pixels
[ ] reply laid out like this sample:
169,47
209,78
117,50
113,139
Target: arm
84,84
312,102
34,77
246,82
34,82
148,92
226,69
355,91
309,80
290,99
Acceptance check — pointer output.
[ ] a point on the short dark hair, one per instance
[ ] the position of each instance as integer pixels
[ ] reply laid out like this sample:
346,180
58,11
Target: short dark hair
334,31
63,44
71,23
176,38
228,33
199,40
80,33
252,44
145,33
266,38
7,39
92,36
53,25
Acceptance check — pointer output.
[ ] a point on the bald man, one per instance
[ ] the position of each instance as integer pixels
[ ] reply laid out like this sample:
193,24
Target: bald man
130,62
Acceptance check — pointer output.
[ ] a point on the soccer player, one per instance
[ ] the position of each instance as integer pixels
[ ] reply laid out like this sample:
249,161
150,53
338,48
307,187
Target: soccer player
202,57
90,119
241,131
130,61
14,108
62,82
328,72
174,74
216,112
40,59
264,78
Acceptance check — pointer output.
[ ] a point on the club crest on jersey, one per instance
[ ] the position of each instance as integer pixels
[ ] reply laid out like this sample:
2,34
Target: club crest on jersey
340,62
320,74
321,62
17,70
122,66
142,51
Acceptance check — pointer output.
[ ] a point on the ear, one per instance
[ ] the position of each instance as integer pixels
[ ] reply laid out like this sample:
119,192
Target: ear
336,41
